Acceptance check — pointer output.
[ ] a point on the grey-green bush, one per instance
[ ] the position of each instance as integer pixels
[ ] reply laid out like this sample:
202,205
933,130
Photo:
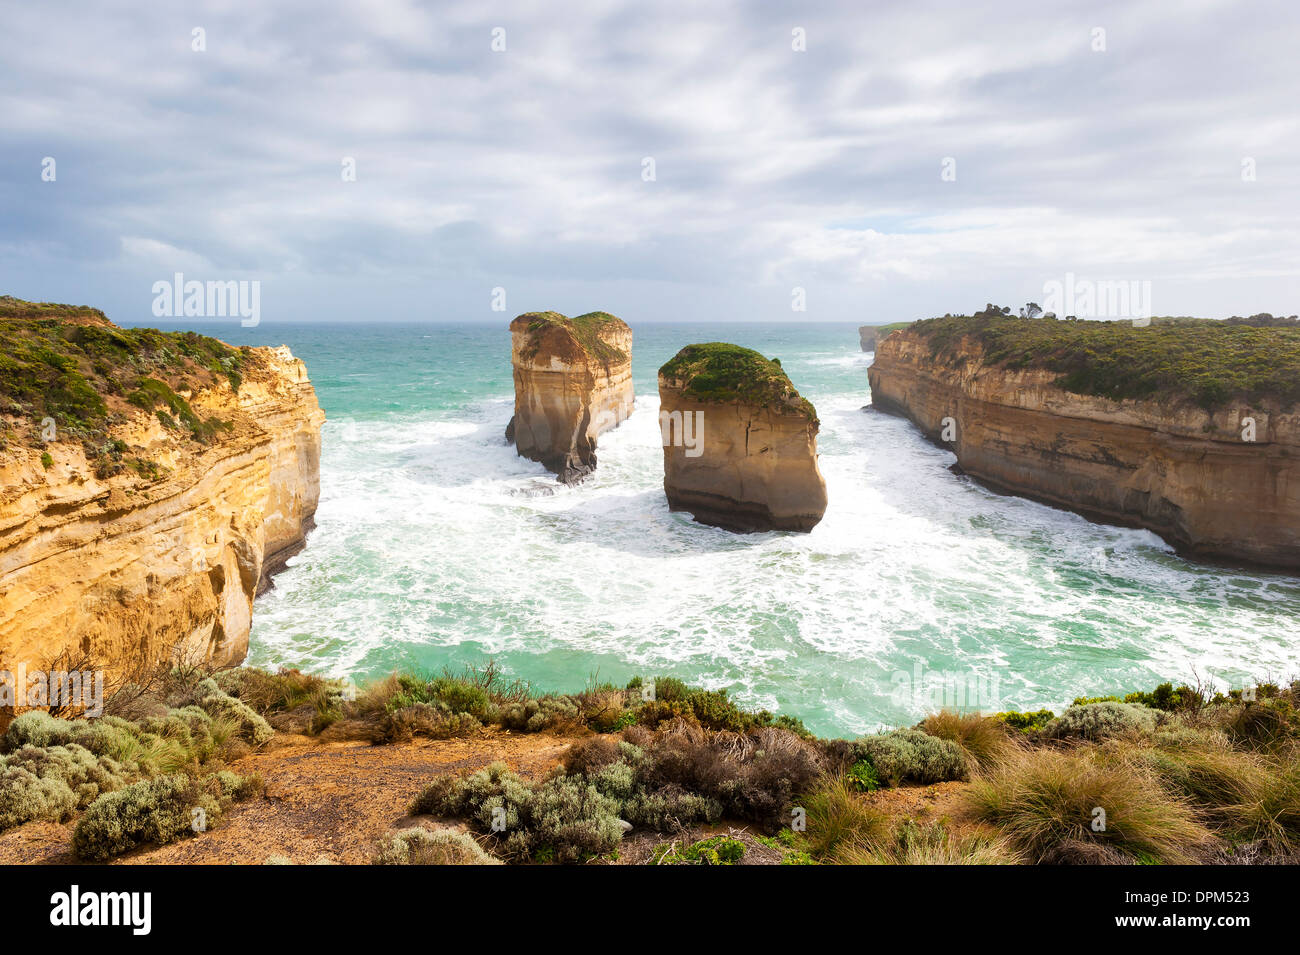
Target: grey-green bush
51,782
909,755
565,818
155,811
1101,721
533,716
420,846
216,702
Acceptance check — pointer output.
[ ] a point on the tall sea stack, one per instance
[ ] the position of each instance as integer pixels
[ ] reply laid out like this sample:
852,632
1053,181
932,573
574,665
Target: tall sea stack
740,444
573,381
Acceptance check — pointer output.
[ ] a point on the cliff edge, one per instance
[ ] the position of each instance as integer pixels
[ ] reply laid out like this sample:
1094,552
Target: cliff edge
573,382
740,443
152,482
1190,429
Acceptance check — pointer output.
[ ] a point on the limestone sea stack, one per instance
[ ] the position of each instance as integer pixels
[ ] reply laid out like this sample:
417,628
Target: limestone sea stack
151,481
573,382
1188,428
740,443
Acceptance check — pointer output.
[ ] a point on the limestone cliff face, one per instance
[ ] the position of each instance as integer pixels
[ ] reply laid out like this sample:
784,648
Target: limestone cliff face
1171,467
573,381
124,570
869,336
744,459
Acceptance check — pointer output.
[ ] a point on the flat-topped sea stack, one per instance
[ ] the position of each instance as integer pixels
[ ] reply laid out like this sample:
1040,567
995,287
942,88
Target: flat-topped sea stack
573,381
151,481
740,444
1188,427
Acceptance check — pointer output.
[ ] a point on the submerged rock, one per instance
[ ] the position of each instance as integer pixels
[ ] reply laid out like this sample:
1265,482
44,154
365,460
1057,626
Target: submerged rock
573,381
740,444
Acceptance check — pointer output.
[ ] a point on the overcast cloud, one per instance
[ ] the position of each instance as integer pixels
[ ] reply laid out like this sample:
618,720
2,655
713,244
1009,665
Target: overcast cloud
774,168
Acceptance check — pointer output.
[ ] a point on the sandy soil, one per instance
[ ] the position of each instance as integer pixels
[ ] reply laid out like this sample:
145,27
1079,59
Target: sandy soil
331,802
323,801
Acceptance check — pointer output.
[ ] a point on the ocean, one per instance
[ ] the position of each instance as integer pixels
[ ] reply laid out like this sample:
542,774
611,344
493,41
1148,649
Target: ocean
437,546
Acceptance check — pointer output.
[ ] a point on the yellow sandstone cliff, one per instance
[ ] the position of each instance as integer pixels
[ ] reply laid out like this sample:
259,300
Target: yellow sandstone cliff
120,571
573,381
1169,466
740,444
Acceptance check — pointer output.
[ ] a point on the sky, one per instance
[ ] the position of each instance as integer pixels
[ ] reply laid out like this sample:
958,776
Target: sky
872,162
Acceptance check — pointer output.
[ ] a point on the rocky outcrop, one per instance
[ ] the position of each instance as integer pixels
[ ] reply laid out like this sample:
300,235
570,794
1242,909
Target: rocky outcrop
740,444
870,335
1166,465
121,566
573,381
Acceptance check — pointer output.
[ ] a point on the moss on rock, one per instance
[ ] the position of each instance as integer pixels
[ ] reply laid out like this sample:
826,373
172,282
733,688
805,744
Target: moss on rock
722,372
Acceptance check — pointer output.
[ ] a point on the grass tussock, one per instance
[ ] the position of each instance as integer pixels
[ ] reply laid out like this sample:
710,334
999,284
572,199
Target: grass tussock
420,846
983,739
1044,801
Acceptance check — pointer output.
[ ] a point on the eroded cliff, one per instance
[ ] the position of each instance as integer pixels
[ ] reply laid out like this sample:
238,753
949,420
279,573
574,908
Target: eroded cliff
573,381
1211,468
740,444
180,473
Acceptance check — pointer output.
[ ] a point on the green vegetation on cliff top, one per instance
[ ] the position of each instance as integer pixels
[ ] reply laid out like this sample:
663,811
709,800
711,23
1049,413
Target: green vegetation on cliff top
1208,362
586,330
68,363
718,371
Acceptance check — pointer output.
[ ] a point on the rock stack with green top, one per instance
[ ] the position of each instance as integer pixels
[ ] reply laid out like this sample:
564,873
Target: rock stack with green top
740,443
573,381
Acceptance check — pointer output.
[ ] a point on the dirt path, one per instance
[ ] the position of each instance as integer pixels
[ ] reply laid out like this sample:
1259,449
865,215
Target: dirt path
326,801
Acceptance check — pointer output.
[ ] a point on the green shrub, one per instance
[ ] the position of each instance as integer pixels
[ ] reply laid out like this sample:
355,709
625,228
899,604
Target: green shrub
719,850
1101,721
1026,722
862,776
1163,697
912,756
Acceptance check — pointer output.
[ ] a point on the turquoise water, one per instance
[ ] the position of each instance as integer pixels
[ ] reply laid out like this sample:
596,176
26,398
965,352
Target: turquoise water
436,545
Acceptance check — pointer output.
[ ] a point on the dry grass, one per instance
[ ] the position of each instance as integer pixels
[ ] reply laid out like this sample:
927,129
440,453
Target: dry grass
839,817
932,844
984,738
1045,798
